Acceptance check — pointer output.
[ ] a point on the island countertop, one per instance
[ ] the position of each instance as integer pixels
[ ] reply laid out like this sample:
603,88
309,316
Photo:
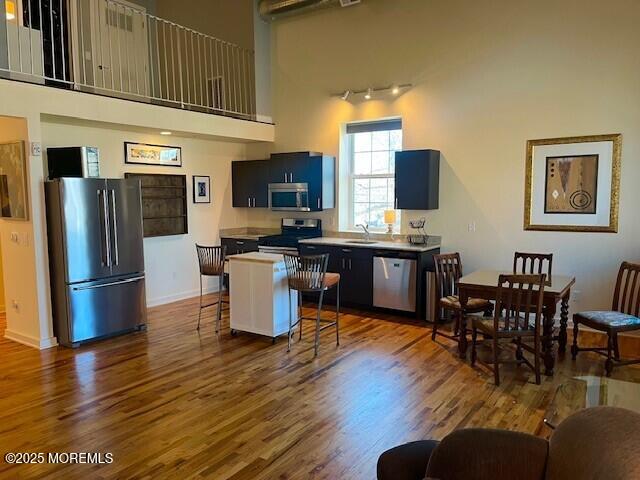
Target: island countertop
380,245
259,257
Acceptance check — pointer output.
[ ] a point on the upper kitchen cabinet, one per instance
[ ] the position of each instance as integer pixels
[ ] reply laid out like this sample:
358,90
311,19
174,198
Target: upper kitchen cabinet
249,183
314,169
417,180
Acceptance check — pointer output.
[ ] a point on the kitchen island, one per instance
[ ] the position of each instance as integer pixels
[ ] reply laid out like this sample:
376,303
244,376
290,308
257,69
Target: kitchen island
259,294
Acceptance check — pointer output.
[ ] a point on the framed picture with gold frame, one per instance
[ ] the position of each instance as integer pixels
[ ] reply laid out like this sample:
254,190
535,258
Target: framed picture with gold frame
572,184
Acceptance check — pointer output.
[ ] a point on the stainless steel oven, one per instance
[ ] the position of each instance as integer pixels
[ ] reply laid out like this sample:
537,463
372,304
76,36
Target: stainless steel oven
289,197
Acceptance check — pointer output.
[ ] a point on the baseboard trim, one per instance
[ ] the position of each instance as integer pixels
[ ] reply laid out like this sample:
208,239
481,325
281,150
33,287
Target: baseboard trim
156,302
28,340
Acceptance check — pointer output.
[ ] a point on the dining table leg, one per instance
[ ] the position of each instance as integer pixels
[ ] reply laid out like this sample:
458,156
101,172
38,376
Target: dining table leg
462,334
564,320
547,337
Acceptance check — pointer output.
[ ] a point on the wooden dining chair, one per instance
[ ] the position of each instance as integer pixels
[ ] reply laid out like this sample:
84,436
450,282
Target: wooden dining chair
533,263
623,317
517,318
448,269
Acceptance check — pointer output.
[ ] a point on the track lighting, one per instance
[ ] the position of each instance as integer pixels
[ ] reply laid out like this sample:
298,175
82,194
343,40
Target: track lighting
355,95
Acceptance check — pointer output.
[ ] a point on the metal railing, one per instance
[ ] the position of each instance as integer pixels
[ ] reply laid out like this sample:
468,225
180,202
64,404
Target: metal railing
115,48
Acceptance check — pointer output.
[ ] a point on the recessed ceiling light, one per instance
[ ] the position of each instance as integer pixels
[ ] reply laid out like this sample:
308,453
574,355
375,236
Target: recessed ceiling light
395,90
165,133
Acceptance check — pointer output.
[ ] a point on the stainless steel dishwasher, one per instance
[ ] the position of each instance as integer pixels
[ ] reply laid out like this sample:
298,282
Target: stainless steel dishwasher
394,283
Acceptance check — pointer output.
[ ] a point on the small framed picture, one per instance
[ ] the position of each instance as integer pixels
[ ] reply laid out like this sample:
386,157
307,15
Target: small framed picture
147,154
201,189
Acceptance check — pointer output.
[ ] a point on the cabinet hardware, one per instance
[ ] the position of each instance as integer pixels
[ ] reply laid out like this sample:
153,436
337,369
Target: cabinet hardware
346,250
311,248
343,267
349,264
249,202
291,177
396,204
318,202
239,243
254,202
285,177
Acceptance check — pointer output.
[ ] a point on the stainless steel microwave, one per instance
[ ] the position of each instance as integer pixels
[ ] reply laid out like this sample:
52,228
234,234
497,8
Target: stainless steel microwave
289,197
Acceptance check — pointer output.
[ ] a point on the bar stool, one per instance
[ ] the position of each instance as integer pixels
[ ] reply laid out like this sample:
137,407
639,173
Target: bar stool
308,274
211,261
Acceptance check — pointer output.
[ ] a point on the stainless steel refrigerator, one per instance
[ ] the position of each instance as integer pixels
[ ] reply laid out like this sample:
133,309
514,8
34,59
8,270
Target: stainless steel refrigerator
96,257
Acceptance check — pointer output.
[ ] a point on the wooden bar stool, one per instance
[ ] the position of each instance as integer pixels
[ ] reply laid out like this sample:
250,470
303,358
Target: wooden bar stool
308,274
211,262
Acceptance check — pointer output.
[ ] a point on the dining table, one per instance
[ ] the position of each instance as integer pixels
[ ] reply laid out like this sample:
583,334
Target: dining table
557,290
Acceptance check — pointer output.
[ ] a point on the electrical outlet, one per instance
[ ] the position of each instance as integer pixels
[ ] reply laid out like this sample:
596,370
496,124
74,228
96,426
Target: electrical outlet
15,305
471,226
15,237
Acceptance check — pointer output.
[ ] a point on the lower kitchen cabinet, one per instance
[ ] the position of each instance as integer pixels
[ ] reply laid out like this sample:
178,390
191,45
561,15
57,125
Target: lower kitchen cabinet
235,245
355,266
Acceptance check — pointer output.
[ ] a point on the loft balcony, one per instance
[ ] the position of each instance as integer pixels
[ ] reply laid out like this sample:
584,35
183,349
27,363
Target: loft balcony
118,49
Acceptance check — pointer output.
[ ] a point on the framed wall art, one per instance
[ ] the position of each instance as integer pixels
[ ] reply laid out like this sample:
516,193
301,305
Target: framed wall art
572,184
201,189
148,154
13,181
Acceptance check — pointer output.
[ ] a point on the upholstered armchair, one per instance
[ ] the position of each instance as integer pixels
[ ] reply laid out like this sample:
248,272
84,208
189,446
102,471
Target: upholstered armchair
595,443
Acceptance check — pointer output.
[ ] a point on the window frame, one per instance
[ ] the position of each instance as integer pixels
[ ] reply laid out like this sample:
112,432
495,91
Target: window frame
352,177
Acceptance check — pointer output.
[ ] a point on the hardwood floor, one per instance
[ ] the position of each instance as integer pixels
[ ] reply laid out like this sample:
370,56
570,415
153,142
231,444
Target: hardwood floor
175,403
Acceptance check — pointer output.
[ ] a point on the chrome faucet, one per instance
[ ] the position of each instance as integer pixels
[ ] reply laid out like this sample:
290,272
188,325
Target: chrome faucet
365,227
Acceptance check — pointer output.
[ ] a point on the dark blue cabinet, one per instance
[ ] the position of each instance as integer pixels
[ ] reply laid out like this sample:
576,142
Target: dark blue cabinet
249,183
417,180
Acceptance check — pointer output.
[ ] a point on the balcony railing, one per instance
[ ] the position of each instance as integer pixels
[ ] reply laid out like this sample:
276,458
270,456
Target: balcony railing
115,48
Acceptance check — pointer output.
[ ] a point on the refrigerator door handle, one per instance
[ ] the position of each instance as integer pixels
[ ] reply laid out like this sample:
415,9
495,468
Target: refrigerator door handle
107,226
110,284
114,213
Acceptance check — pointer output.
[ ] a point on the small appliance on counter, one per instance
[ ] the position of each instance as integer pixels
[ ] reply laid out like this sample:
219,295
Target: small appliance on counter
96,257
293,230
420,236
82,162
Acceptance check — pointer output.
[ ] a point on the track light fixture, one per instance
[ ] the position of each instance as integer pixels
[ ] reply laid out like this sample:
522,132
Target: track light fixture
354,95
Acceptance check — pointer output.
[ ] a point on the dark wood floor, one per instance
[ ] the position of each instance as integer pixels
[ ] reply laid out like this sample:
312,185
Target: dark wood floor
175,403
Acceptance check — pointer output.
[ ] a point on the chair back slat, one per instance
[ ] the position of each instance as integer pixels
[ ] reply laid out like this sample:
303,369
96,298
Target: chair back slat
306,273
533,263
448,268
211,259
520,297
626,296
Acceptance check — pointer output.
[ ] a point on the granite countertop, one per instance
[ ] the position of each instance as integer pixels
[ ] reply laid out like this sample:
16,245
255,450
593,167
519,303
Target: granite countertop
382,244
244,236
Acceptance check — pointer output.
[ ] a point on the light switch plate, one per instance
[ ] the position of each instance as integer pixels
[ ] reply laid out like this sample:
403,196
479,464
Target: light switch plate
36,149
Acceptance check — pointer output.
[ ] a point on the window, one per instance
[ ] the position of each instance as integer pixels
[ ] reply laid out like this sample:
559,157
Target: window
372,147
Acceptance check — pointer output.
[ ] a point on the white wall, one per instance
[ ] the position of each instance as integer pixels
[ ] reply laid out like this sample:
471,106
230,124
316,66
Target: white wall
487,77
20,280
170,262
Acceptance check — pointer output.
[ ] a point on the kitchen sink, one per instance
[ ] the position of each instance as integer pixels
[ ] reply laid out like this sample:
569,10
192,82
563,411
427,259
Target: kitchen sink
361,242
